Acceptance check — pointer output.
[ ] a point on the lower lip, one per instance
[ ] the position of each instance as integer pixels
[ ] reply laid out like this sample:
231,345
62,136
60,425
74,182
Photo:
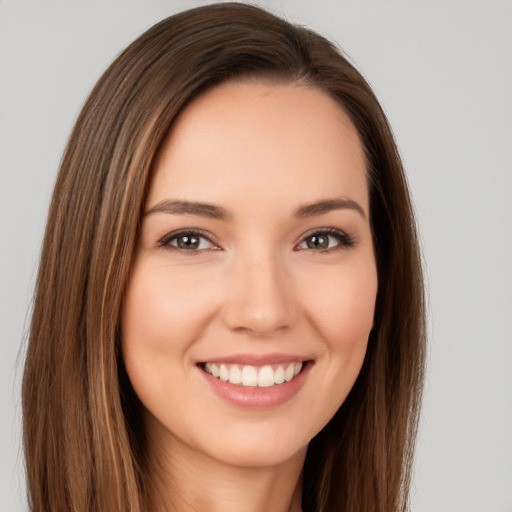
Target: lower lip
254,397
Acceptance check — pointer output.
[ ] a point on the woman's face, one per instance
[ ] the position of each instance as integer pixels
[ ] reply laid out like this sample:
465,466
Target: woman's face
255,260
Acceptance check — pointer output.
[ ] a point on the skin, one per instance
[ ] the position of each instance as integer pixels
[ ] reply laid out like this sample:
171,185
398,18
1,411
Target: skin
260,151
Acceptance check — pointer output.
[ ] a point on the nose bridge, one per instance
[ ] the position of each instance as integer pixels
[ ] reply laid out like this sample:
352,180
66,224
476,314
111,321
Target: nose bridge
259,296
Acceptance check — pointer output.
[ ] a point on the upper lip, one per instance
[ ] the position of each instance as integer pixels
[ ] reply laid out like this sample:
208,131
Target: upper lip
257,359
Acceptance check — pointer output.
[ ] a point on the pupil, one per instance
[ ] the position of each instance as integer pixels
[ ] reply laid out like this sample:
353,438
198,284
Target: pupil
188,242
318,241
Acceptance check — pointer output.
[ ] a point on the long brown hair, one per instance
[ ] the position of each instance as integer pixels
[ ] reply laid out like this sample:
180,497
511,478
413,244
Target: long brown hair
84,445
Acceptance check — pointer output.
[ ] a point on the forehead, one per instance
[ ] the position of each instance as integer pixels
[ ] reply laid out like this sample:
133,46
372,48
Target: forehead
261,141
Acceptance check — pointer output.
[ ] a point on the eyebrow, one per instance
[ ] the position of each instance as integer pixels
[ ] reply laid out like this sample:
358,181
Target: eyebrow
189,208
217,212
327,205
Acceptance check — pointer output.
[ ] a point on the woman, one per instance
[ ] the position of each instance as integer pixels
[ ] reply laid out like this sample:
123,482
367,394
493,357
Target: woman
229,306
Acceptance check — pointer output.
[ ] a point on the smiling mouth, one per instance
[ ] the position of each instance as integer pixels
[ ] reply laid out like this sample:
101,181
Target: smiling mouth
254,376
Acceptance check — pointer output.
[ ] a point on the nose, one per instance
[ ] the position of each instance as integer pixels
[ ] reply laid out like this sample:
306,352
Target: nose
259,299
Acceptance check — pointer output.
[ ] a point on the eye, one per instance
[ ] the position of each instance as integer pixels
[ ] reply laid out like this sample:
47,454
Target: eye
189,240
326,240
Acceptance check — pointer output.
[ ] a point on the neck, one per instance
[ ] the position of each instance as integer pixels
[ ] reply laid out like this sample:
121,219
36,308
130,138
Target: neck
183,479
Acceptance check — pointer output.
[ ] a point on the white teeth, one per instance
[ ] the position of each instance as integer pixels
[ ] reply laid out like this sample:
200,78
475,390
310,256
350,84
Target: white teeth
279,375
250,376
266,377
235,375
289,372
223,373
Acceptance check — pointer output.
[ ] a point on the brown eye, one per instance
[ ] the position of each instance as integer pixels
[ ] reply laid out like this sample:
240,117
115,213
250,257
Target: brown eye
318,241
327,240
190,241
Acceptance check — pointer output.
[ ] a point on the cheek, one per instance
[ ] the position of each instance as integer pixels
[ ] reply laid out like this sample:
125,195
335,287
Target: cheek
157,323
343,304
163,306
341,311
163,313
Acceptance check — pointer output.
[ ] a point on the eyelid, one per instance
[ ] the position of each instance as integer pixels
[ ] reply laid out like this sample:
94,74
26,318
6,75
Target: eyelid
166,239
345,240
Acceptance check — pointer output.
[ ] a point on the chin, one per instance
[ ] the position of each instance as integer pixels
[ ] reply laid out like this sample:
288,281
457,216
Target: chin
259,454
260,444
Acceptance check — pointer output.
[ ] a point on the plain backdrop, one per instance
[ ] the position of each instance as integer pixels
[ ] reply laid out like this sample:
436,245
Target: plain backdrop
443,73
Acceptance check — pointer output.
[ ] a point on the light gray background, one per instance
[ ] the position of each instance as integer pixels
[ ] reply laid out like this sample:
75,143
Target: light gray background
443,73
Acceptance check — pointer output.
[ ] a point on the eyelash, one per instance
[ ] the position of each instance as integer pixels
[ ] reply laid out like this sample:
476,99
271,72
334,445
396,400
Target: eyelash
167,239
345,241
